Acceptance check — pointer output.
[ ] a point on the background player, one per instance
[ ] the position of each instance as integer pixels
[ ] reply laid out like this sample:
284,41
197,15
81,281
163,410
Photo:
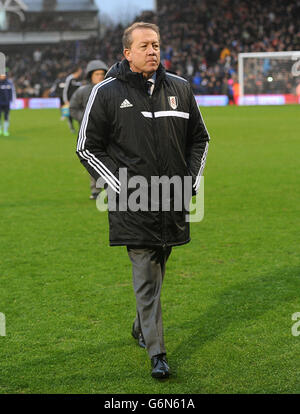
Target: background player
72,83
7,96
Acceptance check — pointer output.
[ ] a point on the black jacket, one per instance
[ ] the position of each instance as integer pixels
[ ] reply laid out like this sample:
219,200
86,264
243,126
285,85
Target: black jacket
7,92
161,135
71,85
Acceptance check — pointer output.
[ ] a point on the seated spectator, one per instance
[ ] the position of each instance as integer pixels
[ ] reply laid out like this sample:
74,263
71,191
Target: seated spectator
196,85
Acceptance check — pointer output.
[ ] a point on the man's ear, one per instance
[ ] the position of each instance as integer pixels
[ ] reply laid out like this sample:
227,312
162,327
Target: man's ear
127,54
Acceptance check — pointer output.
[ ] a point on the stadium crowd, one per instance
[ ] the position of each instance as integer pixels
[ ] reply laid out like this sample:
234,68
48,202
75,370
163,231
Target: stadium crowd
200,41
38,23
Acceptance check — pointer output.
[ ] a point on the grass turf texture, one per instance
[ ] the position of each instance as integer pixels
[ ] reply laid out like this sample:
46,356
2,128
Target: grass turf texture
227,298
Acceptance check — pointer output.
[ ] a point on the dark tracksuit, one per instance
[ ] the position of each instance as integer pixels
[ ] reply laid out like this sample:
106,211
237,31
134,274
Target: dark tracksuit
6,96
71,85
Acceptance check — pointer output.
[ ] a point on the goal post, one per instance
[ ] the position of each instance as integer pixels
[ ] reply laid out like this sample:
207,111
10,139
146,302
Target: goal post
268,73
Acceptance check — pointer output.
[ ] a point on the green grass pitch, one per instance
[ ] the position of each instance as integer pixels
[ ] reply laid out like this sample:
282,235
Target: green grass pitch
228,296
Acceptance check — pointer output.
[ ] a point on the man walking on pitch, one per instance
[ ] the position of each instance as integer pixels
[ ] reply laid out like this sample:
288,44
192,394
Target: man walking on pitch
95,73
72,83
7,95
146,121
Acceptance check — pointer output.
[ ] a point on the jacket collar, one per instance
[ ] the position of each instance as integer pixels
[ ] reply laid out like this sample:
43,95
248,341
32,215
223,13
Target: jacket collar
122,71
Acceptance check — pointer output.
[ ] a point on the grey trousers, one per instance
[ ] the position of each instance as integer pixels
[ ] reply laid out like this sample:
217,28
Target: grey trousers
148,270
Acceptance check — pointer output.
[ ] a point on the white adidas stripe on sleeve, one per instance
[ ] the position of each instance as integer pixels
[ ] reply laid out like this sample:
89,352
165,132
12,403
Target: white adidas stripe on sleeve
82,131
94,162
202,165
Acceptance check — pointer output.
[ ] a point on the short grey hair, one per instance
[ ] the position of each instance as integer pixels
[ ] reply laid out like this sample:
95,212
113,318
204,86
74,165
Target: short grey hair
127,36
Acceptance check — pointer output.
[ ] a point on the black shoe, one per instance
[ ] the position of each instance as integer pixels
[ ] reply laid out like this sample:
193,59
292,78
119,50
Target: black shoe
94,196
160,368
139,337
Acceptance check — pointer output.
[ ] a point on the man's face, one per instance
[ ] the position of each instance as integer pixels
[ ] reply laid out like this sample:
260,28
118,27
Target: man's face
97,76
144,52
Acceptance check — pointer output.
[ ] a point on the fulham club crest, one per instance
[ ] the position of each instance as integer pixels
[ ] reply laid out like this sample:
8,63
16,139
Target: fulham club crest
173,101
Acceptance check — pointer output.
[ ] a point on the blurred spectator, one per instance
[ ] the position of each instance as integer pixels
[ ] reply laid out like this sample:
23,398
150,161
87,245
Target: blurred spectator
225,52
197,80
37,55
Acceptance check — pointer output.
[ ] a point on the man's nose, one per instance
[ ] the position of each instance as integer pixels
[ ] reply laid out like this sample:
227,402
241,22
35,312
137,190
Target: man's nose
151,51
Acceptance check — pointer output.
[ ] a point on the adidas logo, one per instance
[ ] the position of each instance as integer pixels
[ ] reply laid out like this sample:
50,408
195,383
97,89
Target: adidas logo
125,104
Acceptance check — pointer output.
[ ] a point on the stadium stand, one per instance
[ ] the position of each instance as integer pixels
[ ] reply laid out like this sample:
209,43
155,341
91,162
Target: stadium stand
53,15
201,40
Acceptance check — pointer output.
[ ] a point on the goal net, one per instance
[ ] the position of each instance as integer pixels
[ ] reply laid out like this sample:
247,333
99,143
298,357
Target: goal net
269,73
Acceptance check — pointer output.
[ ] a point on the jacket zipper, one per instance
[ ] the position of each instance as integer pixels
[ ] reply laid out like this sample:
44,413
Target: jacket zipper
161,213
